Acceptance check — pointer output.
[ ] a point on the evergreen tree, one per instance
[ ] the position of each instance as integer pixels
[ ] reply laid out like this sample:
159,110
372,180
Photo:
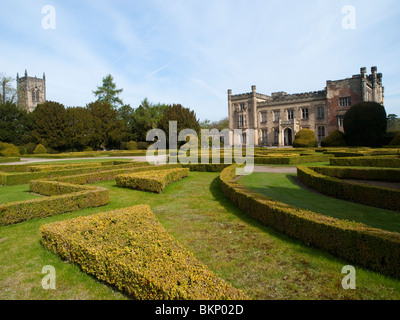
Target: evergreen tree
15,124
364,124
49,124
107,130
186,119
78,129
147,117
108,92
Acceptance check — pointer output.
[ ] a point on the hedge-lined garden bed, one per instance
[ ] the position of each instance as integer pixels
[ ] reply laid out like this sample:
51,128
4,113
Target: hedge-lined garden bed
79,199
15,175
152,181
357,243
326,181
130,249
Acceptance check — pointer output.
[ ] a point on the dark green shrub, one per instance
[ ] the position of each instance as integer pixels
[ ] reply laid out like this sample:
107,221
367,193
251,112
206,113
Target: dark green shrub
364,124
40,149
305,138
132,145
334,139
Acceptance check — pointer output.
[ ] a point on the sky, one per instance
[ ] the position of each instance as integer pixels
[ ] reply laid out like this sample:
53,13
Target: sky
192,51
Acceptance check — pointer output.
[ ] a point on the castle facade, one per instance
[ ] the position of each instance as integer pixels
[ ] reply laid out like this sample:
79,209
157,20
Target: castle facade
276,118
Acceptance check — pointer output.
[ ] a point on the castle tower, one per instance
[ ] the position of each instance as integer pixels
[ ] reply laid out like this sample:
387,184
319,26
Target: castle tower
31,91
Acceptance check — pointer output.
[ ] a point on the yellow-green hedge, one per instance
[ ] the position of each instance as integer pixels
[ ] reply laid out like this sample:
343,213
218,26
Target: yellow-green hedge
8,159
153,181
389,161
325,180
130,249
109,175
23,175
357,243
16,212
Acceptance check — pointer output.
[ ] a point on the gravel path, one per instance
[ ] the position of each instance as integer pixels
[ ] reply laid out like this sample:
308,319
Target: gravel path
275,169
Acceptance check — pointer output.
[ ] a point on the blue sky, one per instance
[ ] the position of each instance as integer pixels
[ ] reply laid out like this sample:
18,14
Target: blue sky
192,51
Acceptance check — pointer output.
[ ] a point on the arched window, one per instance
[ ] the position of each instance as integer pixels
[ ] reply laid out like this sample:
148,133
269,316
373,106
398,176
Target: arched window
37,96
33,96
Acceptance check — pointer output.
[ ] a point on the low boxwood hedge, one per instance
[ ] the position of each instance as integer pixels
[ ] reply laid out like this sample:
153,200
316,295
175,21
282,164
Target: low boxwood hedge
291,159
389,161
153,181
130,249
16,177
326,180
16,212
357,243
8,159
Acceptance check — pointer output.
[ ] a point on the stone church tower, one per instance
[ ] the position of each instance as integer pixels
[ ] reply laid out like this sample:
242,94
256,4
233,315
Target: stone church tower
31,91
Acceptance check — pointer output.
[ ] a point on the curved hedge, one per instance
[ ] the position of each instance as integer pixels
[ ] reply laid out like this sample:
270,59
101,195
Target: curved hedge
373,248
325,180
130,249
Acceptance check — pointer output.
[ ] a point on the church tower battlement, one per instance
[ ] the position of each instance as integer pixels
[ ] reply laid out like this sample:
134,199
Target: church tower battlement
31,91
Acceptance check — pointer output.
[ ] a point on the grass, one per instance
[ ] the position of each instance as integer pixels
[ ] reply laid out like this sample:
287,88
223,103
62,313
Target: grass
16,193
283,187
263,263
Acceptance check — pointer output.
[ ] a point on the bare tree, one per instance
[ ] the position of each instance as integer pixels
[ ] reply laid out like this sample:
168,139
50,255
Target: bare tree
8,92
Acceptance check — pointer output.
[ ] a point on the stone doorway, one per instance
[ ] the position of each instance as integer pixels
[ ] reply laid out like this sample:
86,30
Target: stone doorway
288,137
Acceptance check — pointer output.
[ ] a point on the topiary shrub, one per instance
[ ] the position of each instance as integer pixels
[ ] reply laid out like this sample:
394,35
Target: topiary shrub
396,140
8,150
364,124
131,145
305,138
334,139
40,149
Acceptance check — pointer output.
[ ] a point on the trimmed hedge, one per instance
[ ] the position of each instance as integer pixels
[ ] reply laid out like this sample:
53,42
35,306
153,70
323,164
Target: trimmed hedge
297,159
130,249
305,138
6,159
153,181
17,178
389,161
16,212
206,167
109,175
323,180
378,174
357,243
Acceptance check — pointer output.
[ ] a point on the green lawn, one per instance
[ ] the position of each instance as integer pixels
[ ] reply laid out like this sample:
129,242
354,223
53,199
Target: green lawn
16,193
263,263
283,187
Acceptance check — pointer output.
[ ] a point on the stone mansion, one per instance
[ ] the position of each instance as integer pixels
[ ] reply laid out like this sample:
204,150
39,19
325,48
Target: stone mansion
277,118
